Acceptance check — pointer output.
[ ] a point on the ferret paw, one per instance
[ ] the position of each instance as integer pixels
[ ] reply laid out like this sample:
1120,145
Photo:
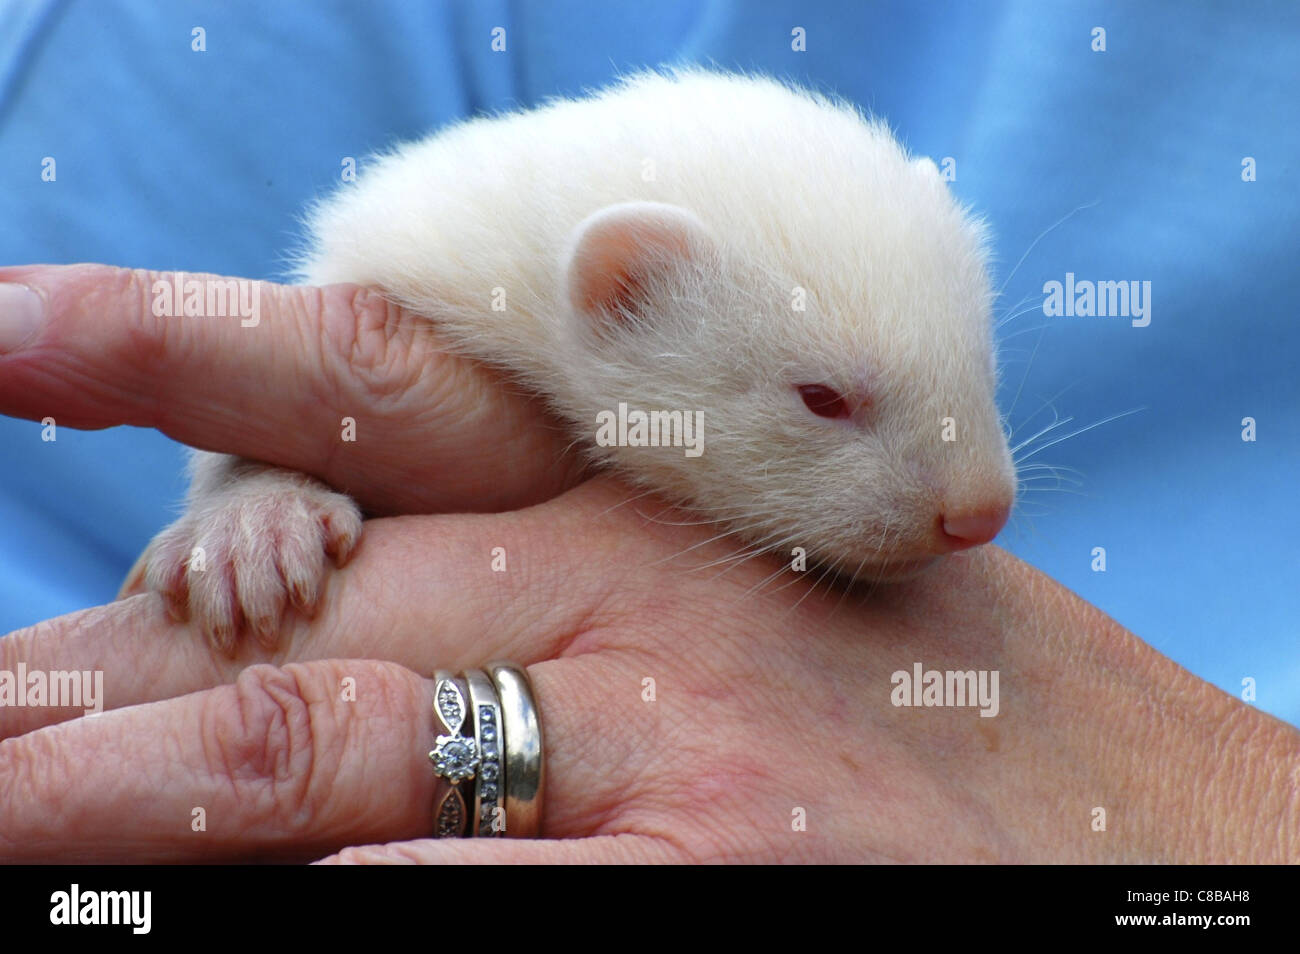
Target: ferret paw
232,562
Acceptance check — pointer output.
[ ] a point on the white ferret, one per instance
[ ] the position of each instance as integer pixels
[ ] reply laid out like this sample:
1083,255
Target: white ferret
691,242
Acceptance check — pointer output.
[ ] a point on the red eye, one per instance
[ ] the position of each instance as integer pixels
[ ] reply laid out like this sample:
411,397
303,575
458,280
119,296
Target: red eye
823,401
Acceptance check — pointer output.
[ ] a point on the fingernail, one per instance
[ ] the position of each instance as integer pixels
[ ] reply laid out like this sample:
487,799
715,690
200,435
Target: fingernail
22,312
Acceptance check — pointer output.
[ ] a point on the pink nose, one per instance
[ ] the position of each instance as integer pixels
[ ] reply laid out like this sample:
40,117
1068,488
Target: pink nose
963,529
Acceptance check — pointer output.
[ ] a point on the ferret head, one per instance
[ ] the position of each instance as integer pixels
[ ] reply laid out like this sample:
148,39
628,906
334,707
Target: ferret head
842,368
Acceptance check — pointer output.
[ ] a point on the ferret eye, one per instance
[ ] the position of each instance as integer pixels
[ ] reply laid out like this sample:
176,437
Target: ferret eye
823,401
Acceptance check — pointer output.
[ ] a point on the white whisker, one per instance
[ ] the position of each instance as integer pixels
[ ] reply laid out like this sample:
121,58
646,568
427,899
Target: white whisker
1082,430
1043,234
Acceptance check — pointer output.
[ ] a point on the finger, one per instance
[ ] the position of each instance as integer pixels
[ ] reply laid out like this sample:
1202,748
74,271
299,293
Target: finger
273,764
626,849
422,591
284,764
274,380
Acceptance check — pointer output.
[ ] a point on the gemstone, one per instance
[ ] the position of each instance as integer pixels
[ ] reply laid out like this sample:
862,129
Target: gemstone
490,750
490,770
451,705
485,714
488,732
489,790
451,815
455,758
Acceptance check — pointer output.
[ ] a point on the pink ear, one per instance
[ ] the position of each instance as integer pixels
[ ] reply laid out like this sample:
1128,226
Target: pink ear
620,253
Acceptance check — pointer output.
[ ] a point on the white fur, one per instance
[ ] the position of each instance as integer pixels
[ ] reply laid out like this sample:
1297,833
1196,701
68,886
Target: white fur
797,190
777,189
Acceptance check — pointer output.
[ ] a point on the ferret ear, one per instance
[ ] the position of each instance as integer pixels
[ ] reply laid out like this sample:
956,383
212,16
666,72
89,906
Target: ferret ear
620,256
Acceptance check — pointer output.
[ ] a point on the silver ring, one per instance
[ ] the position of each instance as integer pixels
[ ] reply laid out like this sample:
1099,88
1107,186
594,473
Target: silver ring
522,735
492,734
489,818
455,755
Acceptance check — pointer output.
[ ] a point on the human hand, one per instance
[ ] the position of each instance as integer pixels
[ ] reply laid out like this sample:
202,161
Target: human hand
771,702
771,708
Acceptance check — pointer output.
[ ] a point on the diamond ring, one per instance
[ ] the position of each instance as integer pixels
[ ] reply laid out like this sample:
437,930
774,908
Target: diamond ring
492,736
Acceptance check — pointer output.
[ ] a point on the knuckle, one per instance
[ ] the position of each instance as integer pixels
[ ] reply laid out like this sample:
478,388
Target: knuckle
17,649
271,735
32,771
371,353
148,336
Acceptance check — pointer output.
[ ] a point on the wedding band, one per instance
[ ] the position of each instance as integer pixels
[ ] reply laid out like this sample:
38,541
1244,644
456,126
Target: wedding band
491,738
489,819
522,735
